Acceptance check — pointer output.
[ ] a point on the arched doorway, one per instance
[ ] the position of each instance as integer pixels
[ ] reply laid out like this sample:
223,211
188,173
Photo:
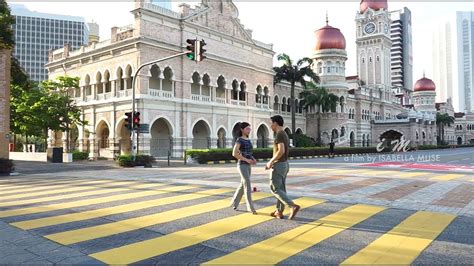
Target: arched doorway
102,140
299,131
388,136
161,142
334,134
459,141
125,141
201,135
221,138
352,139
325,138
262,137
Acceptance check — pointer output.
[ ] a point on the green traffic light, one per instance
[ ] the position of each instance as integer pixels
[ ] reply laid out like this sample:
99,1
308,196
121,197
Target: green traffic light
190,56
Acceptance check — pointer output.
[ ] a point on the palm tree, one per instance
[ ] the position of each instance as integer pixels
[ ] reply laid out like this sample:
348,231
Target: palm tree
299,73
441,121
317,96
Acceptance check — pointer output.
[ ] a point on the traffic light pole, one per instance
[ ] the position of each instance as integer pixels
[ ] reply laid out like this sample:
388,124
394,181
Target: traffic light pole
134,148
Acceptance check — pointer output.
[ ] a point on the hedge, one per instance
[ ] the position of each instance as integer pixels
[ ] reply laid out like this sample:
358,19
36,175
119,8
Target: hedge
79,155
207,155
140,160
6,166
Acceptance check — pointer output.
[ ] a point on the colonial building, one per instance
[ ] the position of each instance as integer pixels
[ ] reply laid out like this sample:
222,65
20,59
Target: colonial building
187,105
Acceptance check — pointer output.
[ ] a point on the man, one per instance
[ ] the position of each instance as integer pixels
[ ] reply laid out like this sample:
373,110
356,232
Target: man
331,149
279,169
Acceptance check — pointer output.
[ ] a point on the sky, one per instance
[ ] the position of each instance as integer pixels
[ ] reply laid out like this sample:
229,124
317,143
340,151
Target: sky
289,25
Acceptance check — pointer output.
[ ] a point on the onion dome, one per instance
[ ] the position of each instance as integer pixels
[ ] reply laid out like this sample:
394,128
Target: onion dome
425,84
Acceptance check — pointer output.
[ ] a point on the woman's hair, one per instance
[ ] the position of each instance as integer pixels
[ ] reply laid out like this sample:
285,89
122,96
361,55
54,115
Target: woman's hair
241,126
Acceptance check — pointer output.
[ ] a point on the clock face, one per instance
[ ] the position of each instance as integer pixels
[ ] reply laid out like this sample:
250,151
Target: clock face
369,28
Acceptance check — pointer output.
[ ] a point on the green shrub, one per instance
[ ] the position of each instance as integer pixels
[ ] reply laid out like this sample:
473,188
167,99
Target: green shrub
208,155
79,155
140,160
6,166
126,160
144,160
304,141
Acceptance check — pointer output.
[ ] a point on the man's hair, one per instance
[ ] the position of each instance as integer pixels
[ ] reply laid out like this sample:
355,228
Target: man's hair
277,119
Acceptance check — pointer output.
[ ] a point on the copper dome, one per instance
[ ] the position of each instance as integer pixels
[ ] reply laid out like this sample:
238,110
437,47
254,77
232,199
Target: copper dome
425,84
373,4
329,38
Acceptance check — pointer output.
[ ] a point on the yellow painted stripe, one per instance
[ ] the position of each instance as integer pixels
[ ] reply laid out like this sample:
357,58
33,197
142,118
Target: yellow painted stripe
412,174
181,239
404,243
104,189
446,177
104,230
33,186
52,190
86,202
22,180
91,214
341,171
378,173
287,244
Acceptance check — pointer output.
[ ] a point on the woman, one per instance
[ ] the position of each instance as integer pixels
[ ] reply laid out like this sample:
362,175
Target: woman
243,153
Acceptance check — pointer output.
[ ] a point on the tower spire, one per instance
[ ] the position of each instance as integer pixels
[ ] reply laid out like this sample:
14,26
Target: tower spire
327,19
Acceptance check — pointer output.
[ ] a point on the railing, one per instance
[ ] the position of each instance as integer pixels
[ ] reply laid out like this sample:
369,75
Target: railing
263,106
201,98
160,93
104,96
124,93
221,100
89,98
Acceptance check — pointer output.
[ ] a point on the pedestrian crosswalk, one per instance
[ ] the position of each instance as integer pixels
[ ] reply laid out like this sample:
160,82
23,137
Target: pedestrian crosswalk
138,205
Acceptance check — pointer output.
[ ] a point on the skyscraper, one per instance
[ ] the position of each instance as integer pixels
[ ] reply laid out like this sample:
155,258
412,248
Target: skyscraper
36,33
465,45
401,56
443,61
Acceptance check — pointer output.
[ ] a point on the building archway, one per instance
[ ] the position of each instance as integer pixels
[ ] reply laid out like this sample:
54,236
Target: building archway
459,141
388,136
262,136
102,140
124,136
352,139
161,142
201,135
334,134
221,138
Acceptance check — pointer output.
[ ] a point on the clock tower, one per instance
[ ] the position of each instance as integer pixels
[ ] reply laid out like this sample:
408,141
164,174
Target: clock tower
373,43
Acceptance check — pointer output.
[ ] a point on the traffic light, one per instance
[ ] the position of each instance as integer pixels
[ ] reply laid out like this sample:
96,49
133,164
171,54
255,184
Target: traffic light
128,120
201,50
136,120
191,48
196,49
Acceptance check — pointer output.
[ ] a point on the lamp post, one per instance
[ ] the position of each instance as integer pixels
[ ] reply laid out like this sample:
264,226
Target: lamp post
134,149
